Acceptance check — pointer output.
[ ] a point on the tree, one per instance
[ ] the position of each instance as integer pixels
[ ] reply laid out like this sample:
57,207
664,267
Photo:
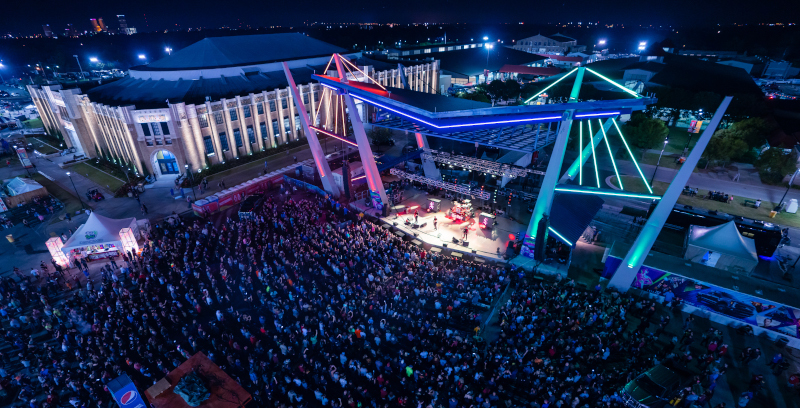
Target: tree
645,132
475,96
379,135
512,89
723,146
496,90
774,164
499,90
753,131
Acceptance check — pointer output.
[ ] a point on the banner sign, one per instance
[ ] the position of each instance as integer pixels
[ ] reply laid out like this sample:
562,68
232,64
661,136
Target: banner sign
376,200
23,158
695,125
125,393
735,305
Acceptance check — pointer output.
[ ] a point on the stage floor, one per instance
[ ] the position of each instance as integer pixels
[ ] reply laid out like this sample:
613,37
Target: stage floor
489,242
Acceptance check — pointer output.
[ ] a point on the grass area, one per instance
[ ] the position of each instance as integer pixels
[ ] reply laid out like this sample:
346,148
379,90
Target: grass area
736,208
667,160
71,203
52,141
12,157
257,164
41,146
100,177
32,124
678,136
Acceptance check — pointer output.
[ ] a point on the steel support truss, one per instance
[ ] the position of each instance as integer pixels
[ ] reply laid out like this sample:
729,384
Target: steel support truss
473,163
458,188
527,138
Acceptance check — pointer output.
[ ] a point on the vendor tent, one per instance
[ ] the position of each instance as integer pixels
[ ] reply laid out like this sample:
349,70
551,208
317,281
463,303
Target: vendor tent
22,190
19,186
722,247
99,230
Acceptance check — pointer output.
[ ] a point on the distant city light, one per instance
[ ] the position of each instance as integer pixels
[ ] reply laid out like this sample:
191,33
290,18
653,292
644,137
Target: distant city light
485,38
602,42
141,56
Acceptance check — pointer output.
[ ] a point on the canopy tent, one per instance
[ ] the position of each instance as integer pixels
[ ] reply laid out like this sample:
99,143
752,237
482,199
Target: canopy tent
19,186
721,247
99,230
21,190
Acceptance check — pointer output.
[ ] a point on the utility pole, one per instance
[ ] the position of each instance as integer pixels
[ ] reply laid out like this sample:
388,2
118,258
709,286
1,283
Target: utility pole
79,66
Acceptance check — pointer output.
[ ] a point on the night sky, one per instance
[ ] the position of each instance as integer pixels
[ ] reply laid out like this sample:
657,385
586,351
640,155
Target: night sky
147,15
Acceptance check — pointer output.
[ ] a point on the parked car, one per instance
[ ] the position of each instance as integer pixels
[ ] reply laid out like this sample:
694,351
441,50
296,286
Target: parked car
652,389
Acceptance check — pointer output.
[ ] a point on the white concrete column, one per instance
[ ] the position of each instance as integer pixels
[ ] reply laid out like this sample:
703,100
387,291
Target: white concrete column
256,122
428,165
212,124
197,134
280,112
191,149
243,127
226,118
365,151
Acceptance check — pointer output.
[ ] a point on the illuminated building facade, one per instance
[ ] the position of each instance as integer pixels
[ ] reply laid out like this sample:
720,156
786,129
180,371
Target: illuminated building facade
213,101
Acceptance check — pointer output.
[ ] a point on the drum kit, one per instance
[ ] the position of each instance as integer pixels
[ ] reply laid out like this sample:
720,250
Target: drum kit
461,211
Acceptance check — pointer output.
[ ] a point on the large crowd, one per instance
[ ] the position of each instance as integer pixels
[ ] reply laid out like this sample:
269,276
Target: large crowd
311,305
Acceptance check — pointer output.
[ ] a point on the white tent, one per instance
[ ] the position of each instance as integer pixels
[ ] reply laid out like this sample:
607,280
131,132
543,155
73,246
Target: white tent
20,186
722,247
100,230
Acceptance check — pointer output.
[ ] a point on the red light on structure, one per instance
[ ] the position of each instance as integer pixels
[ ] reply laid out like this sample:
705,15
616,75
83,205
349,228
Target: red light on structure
512,237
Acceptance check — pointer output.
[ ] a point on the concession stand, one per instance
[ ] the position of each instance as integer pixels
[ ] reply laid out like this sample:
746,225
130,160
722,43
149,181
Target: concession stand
101,237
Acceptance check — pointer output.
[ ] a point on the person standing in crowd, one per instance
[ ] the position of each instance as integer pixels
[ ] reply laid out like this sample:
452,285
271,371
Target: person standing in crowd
301,314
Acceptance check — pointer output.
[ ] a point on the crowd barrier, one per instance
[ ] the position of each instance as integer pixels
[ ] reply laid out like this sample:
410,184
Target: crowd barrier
234,195
303,184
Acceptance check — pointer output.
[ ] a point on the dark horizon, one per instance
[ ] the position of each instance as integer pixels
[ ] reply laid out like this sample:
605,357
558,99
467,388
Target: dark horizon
150,15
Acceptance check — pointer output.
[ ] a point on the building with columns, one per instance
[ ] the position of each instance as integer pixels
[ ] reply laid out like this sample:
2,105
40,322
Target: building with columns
213,101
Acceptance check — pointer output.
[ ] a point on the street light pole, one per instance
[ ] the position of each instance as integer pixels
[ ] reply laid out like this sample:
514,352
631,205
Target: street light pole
788,187
652,179
76,189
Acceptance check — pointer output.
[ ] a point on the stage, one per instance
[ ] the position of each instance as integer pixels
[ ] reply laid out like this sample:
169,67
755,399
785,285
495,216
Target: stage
487,242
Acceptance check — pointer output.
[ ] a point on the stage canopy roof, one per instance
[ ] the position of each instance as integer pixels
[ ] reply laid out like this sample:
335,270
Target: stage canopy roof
99,230
722,247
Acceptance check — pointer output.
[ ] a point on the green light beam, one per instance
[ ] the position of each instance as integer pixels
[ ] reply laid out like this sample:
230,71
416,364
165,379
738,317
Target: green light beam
566,241
614,83
610,153
632,158
580,149
551,85
607,193
594,157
